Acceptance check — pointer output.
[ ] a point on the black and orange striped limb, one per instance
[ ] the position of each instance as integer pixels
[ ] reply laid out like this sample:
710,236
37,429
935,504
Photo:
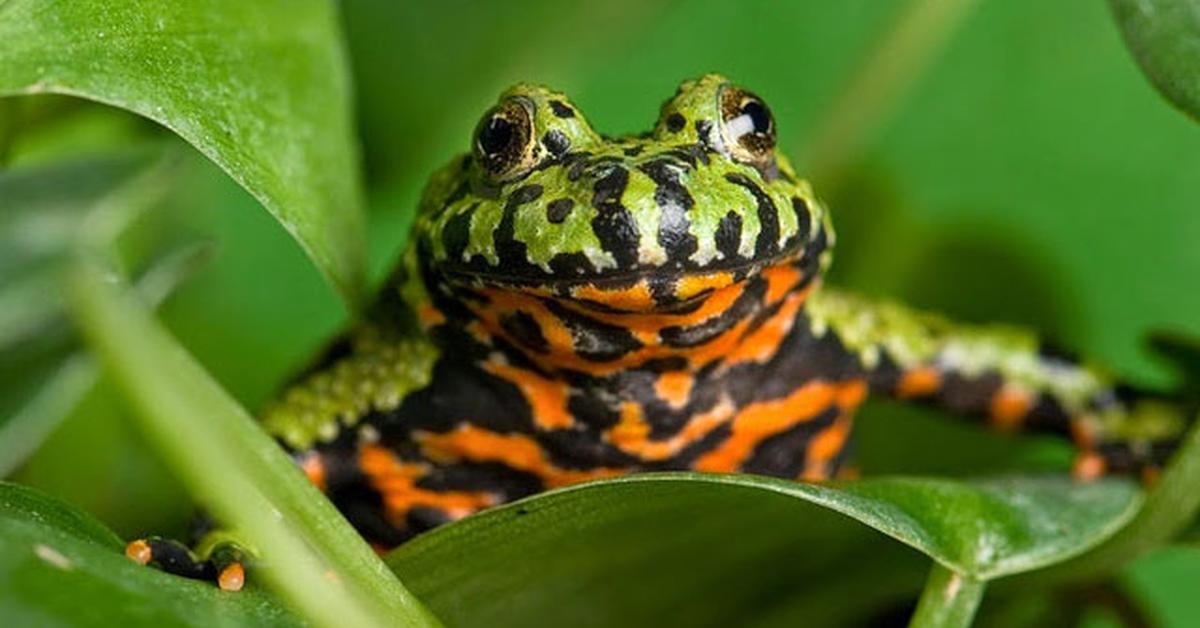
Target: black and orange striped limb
1010,380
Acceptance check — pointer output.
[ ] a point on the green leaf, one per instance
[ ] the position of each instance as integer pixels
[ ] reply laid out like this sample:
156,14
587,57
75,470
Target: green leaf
44,211
1164,36
59,566
706,549
261,88
41,211
992,528
1170,508
311,555
19,502
72,373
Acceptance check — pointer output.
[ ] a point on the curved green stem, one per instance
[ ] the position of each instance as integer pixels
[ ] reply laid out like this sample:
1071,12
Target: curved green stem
312,555
949,600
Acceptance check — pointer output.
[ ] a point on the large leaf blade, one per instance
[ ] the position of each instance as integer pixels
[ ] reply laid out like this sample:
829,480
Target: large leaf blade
694,549
58,566
1164,36
261,88
41,211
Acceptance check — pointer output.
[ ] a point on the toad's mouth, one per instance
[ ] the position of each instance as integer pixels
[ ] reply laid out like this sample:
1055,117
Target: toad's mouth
664,289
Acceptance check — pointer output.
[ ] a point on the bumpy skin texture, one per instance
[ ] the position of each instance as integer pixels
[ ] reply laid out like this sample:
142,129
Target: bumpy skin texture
575,307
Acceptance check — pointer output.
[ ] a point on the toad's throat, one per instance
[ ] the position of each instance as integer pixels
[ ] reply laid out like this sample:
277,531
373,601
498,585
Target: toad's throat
599,332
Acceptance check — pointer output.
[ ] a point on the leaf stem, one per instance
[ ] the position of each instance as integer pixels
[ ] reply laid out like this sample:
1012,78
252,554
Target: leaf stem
949,599
311,555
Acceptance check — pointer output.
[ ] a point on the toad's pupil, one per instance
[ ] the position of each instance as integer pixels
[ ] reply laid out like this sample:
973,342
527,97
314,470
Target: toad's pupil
757,112
496,136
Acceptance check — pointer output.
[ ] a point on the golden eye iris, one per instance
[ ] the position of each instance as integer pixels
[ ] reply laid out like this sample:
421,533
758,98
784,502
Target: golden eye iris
504,141
747,127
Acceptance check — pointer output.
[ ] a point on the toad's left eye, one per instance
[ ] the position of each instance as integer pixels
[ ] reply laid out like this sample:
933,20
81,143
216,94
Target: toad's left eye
747,127
504,140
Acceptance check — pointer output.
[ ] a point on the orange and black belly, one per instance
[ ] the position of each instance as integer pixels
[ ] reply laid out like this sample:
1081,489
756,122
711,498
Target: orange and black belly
540,389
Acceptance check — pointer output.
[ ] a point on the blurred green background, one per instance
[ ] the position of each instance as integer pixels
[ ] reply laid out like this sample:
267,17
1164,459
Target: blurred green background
1025,171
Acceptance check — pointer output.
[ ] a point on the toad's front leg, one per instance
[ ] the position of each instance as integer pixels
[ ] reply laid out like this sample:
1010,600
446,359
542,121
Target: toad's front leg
1006,377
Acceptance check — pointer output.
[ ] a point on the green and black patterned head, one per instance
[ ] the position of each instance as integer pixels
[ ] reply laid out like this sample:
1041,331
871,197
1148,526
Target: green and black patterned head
543,202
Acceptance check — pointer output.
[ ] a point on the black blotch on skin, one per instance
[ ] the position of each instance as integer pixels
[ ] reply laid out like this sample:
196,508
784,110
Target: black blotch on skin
576,163
567,265
968,395
663,365
782,455
592,411
686,157
613,224
762,316
688,455
491,477
556,142
746,304
674,201
803,217
885,376
594,340
676,122
459,389
457,233
363,508
729,235
1047,414
768,215
800,358
562,109
703,129
522,327
558,209
523,195
579,449
508,248
634,151
810,262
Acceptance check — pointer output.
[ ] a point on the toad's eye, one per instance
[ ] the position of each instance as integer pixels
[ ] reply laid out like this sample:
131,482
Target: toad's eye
747,127
504,141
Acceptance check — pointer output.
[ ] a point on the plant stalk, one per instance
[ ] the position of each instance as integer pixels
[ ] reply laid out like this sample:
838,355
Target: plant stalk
310,554
949,600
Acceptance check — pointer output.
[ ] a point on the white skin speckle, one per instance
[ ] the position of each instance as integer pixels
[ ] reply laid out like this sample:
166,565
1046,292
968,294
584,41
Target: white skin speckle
53,556
368,434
